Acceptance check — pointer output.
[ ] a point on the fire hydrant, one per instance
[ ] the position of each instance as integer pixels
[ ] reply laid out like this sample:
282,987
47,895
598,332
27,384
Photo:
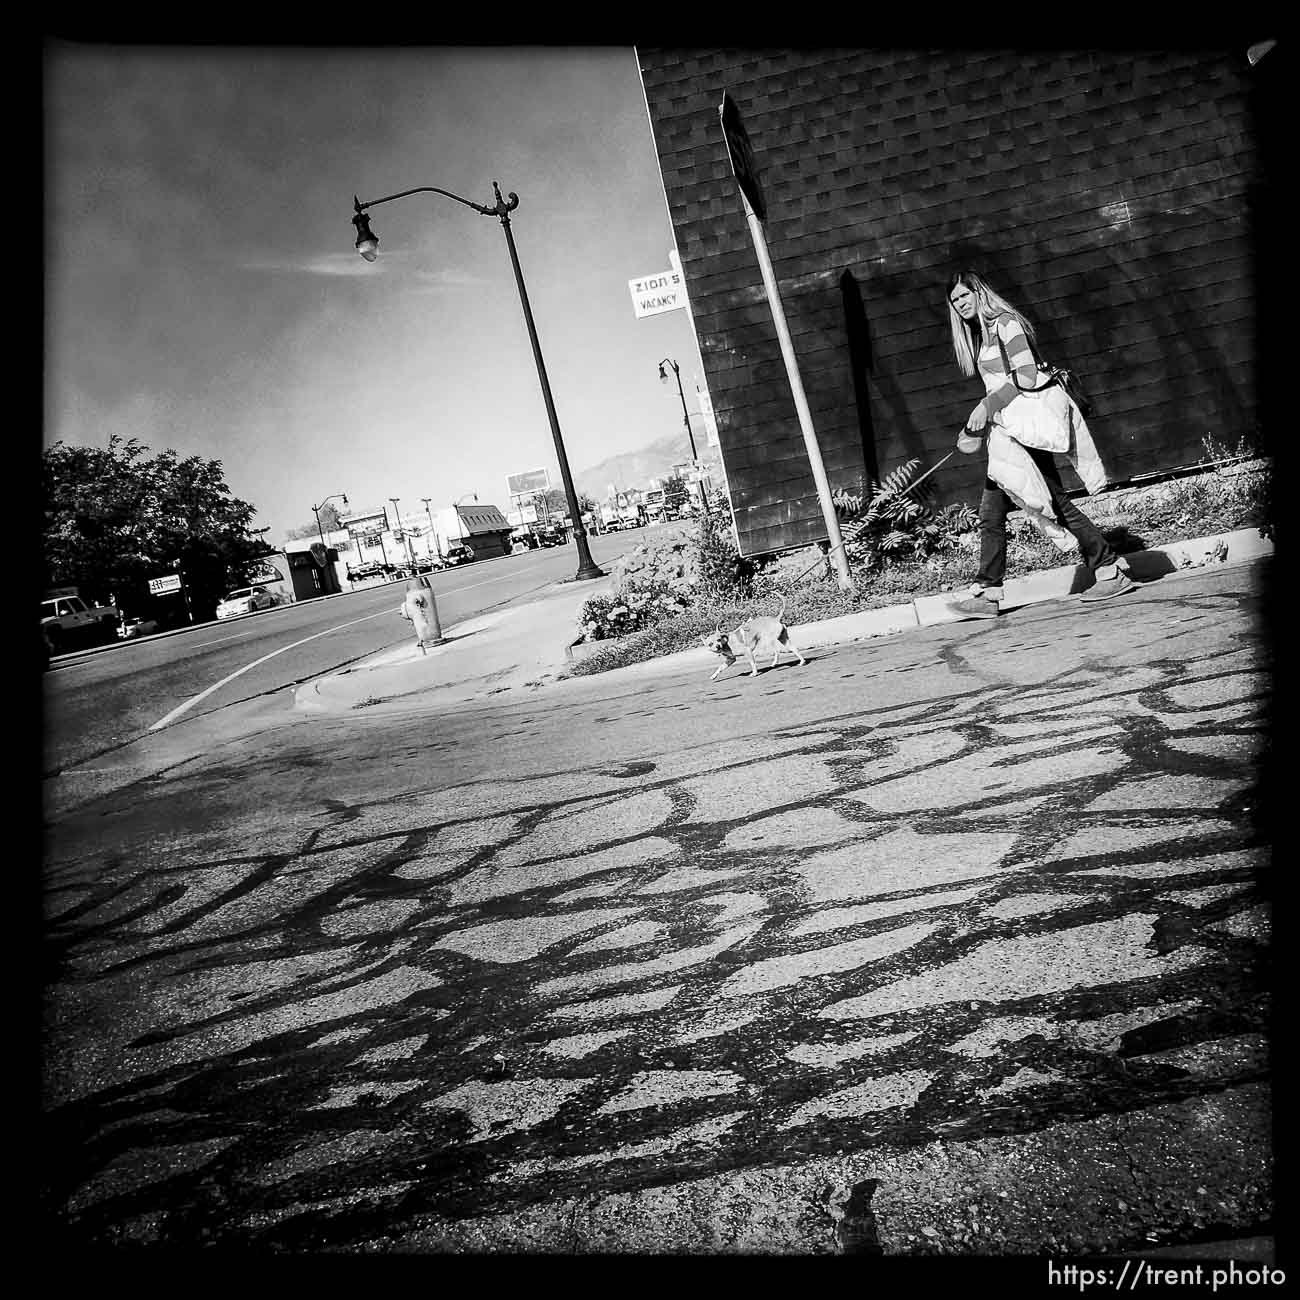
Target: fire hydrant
421,611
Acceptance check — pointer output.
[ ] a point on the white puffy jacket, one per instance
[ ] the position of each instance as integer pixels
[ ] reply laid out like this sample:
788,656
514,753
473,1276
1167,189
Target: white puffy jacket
1048,420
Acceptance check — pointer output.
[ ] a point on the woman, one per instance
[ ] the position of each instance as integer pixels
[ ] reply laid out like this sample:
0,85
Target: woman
1022,431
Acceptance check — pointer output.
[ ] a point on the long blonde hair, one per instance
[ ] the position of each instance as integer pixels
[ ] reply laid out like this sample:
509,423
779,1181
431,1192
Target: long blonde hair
991,305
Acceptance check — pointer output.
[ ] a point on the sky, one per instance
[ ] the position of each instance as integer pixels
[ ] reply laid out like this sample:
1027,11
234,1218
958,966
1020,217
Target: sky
203,292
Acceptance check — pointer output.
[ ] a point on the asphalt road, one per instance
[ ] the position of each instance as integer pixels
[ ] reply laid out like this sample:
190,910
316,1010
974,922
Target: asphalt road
952,942
100,700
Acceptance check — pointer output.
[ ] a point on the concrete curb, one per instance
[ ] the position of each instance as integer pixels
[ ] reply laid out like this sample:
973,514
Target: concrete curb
1238,547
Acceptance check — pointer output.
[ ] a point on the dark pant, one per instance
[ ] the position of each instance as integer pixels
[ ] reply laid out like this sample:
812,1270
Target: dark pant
995,506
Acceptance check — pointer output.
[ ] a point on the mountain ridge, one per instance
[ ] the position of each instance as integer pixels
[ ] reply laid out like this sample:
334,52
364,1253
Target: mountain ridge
634,469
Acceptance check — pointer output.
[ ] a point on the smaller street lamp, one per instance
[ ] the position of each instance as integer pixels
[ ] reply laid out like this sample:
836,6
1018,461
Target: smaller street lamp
663,374
342,496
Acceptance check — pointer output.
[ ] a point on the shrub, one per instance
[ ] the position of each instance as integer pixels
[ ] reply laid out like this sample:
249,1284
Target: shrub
722,571
900,520
627,609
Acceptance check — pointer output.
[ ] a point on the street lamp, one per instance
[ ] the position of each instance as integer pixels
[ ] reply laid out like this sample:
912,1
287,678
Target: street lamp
343,496
663,374
406,537
368,246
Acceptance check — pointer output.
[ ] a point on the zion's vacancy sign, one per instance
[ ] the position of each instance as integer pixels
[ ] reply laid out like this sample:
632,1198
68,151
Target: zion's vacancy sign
161,586
652,294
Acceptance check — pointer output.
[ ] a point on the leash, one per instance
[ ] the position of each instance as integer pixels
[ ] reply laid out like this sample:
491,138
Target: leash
830,550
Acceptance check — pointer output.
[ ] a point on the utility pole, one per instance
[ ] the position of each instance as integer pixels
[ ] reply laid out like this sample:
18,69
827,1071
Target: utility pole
437,545
397,525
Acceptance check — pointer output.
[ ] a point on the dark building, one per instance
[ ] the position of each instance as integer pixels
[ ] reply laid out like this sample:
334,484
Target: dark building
1107,194
306,574
485,530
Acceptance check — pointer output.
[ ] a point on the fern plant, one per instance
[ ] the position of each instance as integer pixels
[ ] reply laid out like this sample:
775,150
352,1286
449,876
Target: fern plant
899,522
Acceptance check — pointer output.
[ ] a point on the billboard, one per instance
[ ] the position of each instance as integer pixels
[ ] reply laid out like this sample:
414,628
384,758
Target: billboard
375,522
533,480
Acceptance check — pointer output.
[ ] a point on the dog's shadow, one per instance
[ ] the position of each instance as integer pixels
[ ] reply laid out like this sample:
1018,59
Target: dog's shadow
739,671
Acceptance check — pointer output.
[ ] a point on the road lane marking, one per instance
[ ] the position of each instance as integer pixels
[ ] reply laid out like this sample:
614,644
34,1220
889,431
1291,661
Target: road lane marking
223,640
470,586
216,686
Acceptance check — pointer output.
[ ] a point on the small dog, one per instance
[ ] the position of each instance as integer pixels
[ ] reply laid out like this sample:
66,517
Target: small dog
755,636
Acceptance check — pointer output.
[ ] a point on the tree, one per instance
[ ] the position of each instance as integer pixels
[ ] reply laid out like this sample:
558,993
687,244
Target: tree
329,523
557,504
676,494
114,517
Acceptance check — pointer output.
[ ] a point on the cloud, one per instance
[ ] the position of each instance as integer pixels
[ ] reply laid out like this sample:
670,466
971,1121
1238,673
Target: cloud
328,264
449,279
349,264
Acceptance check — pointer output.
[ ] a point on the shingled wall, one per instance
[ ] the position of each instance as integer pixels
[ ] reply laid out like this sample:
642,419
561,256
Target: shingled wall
1103,193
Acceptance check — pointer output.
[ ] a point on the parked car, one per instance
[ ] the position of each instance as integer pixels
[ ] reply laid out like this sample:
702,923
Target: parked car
245,600
459,553
68,623
129,628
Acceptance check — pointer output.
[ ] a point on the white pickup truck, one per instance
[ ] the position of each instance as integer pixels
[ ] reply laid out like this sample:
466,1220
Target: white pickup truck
68,623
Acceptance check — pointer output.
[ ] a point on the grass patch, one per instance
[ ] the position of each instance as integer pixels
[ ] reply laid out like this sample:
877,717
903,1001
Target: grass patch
1132,519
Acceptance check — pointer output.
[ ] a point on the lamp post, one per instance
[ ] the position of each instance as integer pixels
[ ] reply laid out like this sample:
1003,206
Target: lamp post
406,537
460,523
686,418
342,496
433,532
368,246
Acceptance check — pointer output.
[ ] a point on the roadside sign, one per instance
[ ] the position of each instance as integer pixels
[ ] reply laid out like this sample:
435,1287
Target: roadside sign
741,154
533,480
362,523
161,586
653,294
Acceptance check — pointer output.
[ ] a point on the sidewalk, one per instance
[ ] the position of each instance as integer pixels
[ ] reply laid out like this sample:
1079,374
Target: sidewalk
527,646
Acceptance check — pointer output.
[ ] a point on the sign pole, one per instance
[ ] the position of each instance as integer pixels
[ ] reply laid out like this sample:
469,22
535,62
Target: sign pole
743,167
843,578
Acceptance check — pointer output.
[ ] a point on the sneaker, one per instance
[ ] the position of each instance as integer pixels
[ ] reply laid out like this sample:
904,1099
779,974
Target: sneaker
975,607
1109,587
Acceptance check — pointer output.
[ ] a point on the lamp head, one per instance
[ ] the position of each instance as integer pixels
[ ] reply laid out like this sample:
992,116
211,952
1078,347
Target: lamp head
663,374
367,240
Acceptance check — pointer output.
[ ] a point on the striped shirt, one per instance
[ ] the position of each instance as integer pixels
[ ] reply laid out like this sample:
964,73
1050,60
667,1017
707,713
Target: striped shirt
1001,390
